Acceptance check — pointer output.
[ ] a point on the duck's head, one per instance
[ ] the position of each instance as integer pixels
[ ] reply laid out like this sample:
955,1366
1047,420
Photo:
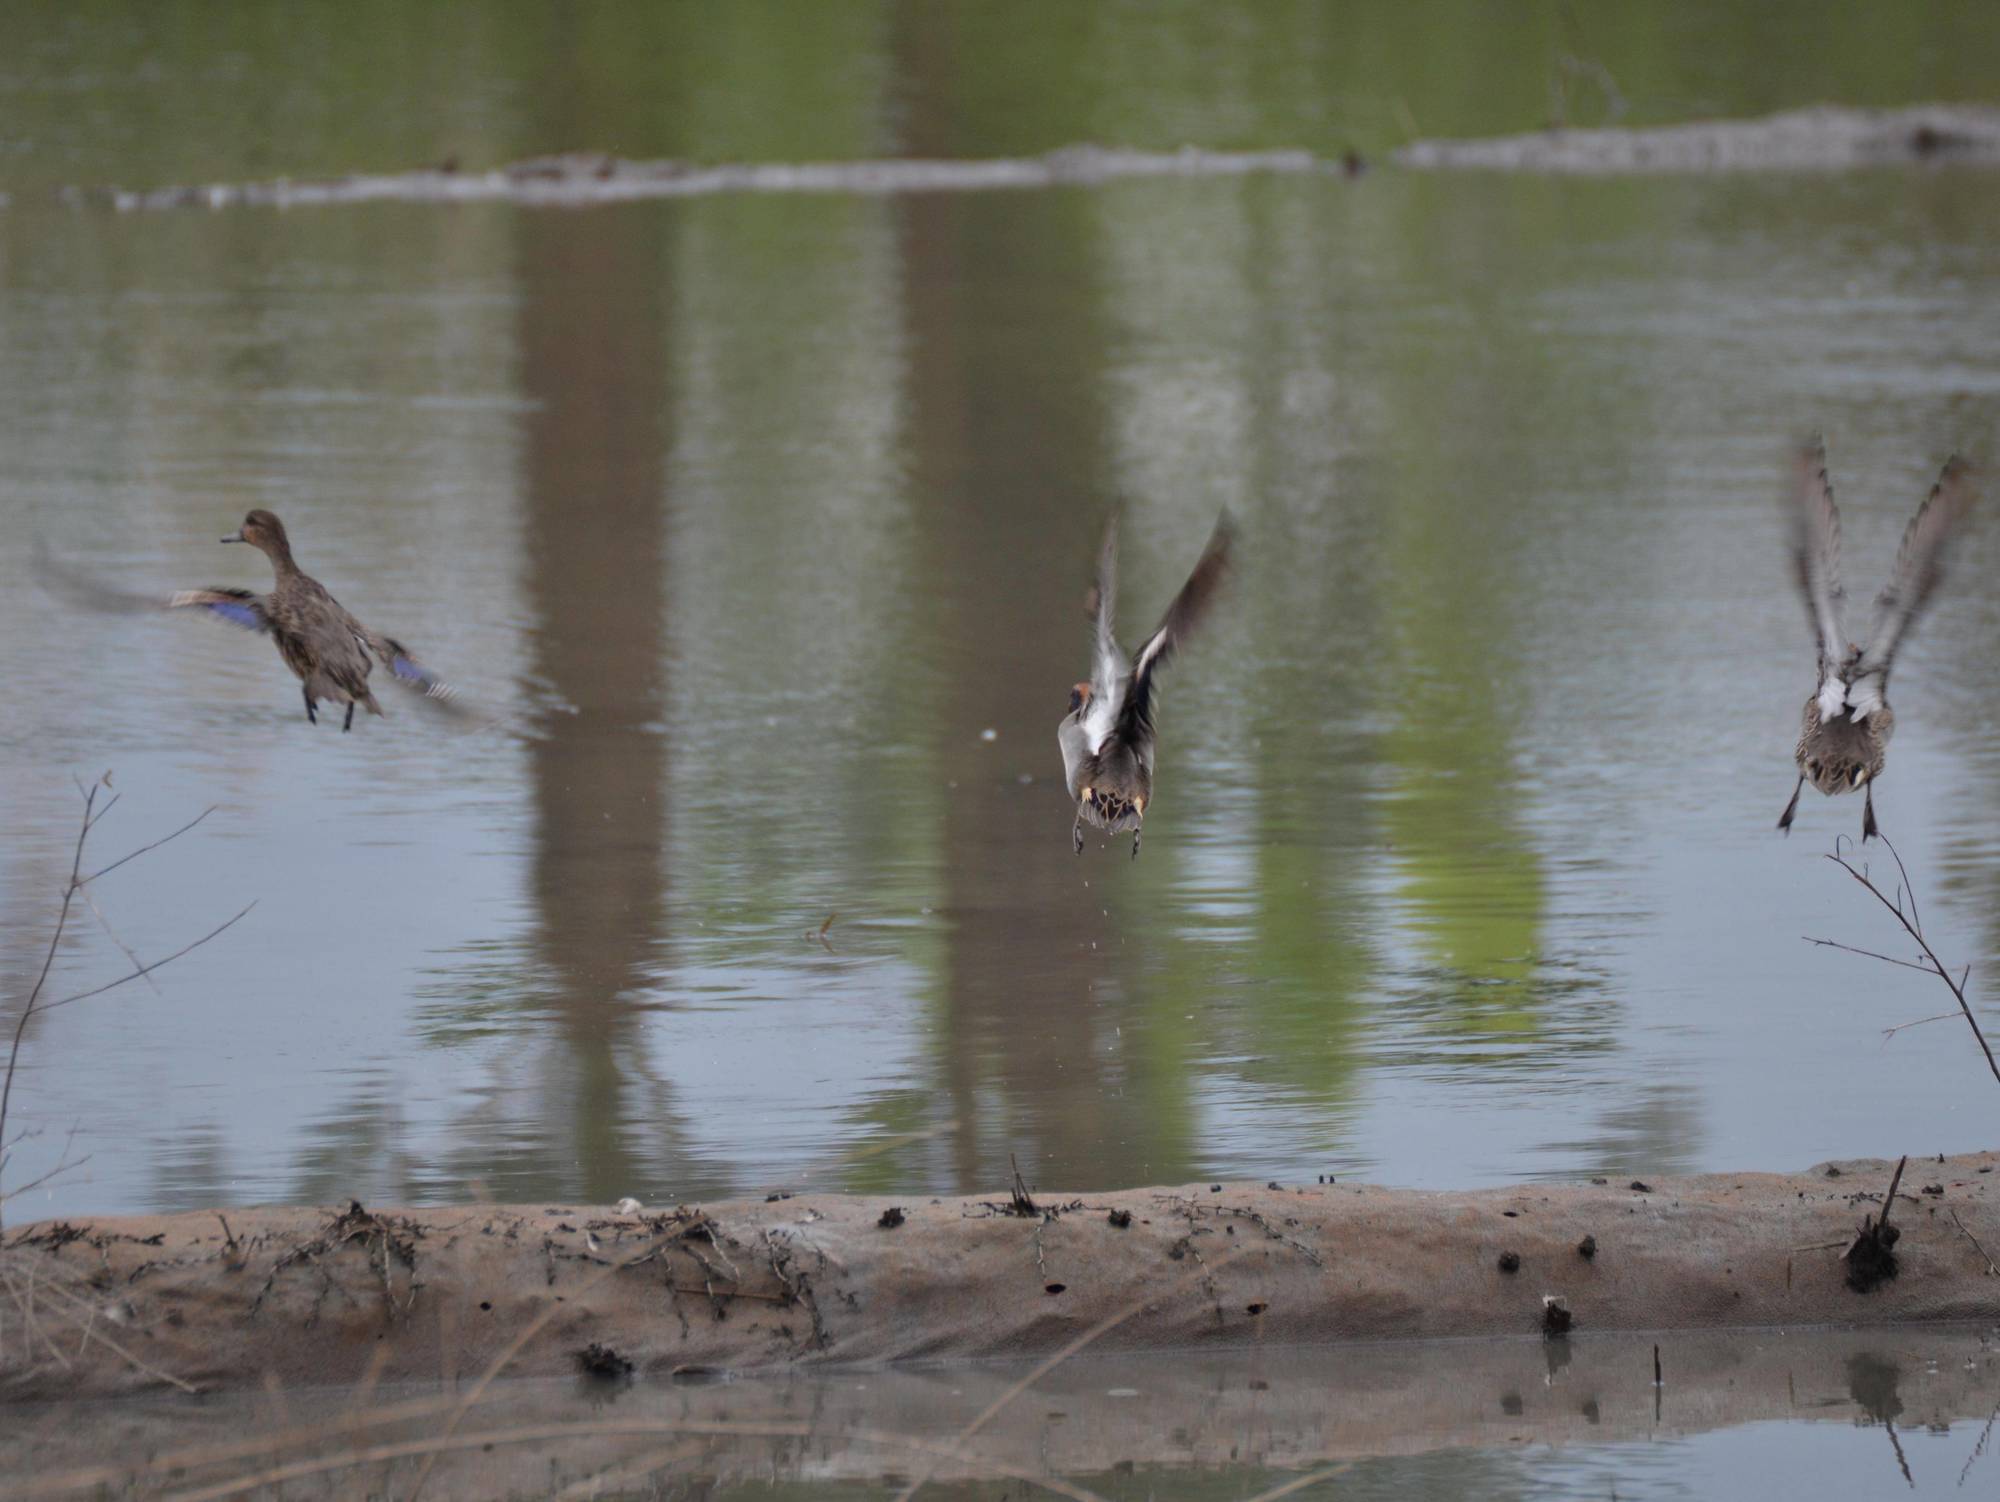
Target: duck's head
265,532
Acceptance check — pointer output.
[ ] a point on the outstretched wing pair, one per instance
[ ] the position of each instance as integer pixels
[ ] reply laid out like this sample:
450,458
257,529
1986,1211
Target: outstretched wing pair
1854,676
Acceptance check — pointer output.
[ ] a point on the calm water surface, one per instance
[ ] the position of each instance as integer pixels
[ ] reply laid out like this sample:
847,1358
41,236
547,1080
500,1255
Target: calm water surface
758,527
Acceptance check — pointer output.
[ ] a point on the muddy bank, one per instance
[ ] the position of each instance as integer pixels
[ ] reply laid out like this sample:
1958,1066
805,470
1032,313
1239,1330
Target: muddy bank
1283,1409
318,1296
1829,138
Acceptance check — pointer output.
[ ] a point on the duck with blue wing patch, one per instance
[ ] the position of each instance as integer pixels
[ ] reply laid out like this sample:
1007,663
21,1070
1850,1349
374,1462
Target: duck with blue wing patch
330,651
1844,739
1108,737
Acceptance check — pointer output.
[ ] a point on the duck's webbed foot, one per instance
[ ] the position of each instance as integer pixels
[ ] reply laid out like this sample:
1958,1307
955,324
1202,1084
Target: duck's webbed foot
1135,842
1076,831
1868,829
348,723
312,713
1785,818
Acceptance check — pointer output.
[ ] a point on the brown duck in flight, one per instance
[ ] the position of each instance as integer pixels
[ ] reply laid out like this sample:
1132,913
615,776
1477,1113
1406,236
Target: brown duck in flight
1847,722
328,649
1107,738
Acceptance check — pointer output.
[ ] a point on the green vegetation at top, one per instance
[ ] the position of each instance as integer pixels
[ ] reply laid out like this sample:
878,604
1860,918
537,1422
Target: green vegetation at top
128,92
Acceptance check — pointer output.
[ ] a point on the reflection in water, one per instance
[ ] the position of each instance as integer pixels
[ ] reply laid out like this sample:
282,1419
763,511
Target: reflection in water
1472,884
1782,1414
593,332
1006,425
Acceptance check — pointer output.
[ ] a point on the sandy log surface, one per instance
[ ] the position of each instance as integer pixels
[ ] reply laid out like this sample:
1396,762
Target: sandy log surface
317,1296
1827,138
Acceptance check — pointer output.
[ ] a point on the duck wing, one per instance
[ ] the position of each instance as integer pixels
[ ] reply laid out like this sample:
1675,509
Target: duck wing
1109,667
237,606
1919,571
1135,718
240,607
404,665
1815,542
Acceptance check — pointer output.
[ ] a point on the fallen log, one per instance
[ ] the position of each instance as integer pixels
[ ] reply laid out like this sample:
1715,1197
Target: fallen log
320,1297
1826,138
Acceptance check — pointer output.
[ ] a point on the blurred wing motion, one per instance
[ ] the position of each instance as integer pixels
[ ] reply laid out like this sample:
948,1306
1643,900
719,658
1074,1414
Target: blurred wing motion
404,667
1919,570
1136,714
1109,668
1816,563
237,606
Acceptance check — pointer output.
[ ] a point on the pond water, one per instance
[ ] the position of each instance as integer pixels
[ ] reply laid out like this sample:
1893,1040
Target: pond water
755,531
1823,1415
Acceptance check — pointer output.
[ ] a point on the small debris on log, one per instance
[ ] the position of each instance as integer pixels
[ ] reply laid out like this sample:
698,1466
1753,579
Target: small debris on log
597,1360
1587,1248
891,1218
1556,1316
1871,1260
1019,1201
1510,1262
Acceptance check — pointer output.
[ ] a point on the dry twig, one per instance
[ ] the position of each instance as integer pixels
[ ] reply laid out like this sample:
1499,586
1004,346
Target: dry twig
92,816
1912,925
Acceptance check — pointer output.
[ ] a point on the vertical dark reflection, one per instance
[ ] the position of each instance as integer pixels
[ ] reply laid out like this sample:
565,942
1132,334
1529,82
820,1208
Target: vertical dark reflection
1006,369
592,315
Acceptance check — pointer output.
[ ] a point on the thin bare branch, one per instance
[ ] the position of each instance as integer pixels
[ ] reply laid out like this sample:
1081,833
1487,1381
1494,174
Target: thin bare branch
32,1005
143,849
1890,1032
1902,871
1300,1483
91,1332
1992,1268
64,1164
1201,1271
112,934
93,814
110,803
1957,987
1887,959
157,964
616,1428
526,1333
